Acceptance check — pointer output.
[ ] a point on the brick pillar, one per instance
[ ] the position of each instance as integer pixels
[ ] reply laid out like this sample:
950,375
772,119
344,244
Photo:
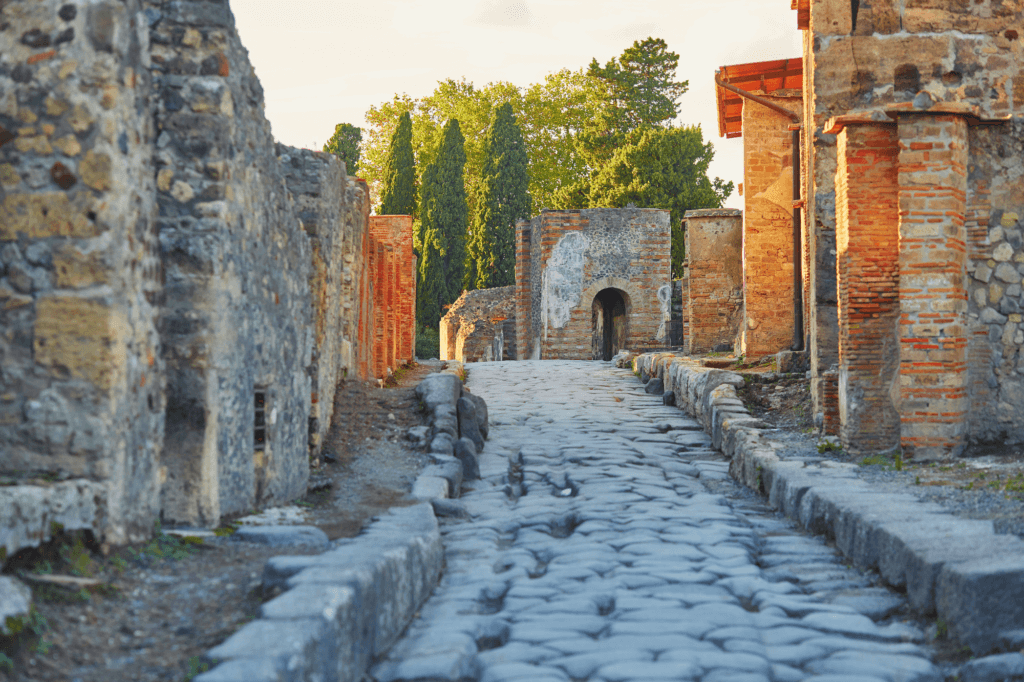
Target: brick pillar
867,222
392,340
524,307
933,295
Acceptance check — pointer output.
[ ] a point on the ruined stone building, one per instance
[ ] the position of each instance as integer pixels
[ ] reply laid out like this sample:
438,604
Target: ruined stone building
910,254
179,296
591,282
480,326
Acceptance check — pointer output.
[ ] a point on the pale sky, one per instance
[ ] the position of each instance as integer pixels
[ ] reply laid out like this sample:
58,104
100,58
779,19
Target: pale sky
324,62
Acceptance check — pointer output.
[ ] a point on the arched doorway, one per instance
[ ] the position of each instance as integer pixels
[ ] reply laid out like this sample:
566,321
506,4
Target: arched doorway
609,315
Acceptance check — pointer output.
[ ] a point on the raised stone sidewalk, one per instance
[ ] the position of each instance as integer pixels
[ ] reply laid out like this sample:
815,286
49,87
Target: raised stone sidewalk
957,569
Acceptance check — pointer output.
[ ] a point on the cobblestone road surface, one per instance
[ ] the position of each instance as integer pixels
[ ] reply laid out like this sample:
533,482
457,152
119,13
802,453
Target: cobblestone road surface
601,547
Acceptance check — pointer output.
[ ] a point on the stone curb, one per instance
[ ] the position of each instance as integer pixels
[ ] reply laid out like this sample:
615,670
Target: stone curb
346,607
957,569
341,608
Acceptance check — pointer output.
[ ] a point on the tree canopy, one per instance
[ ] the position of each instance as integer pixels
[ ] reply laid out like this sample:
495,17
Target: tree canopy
582,131
345,145
443,226
504,199
398,186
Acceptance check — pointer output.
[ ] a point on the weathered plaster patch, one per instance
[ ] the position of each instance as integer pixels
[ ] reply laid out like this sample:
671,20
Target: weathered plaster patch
665,302
563,281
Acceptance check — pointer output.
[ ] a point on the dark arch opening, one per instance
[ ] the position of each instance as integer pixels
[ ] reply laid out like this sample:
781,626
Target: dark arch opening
609,323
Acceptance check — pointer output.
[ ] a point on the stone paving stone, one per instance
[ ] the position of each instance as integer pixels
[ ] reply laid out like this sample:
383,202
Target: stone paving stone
640,572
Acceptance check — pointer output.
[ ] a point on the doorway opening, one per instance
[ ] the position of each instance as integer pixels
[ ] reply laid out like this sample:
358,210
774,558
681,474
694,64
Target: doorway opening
609,323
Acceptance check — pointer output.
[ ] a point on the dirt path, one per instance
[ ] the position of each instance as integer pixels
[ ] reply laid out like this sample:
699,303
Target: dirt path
158,607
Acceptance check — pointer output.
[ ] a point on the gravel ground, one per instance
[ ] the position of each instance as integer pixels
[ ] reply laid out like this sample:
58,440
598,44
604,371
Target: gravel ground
158,607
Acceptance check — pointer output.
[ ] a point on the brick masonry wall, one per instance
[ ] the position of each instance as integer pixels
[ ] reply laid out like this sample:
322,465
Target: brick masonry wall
767,228
81,376
396,297
524,290
577,254
932,291
714,252
867,239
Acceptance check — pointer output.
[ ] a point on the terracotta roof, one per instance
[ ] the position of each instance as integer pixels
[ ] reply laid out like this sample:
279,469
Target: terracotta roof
758,77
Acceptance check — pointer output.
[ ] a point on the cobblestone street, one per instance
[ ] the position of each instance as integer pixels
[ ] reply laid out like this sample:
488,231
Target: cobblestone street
607,543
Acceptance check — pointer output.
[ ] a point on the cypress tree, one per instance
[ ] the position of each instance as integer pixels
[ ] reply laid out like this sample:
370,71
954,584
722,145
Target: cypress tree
504,199
399,183
443,223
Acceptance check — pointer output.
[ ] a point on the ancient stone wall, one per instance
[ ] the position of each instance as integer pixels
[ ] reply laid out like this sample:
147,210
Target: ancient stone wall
714,253
767,228
576,255
480,326
81,375
178,295
237,315
994,224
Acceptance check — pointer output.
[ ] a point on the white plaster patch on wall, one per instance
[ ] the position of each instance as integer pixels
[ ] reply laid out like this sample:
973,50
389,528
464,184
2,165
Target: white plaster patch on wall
665,302
563,281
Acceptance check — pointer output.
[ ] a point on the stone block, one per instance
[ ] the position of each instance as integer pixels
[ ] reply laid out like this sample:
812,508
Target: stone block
439,389
981,598
448,468
429,487
468,424
304,647
282,536
482,417
466,453
15,603
997,668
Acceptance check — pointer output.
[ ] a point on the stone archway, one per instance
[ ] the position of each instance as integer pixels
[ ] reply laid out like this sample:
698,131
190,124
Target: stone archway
610,315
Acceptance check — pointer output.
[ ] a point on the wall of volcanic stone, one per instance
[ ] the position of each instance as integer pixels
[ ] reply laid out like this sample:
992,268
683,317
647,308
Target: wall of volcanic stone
81,374
179,295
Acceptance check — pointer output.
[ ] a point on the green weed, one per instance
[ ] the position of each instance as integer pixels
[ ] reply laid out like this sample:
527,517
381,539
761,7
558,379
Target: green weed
828,446
195,666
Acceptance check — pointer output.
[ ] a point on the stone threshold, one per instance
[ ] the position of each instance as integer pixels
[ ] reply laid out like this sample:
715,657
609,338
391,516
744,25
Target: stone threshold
958,570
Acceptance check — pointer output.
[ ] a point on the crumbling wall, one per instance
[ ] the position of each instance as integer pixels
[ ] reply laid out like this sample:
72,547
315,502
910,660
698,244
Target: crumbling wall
81,377
575,255
714,253
480,326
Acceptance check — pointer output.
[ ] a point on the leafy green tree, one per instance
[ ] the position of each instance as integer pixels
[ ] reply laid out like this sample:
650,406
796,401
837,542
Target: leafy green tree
398,195
345,145
661,168
443,225
504,199
639,87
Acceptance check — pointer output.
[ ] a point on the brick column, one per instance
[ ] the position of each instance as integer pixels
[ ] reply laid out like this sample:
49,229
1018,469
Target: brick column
867,221
933,295
524,308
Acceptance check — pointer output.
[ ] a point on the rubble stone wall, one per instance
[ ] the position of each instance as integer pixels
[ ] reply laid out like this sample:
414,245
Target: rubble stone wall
714,252
577,254
994,224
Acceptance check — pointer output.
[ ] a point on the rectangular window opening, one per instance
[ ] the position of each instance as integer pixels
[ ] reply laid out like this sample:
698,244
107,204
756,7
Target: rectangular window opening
260,418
